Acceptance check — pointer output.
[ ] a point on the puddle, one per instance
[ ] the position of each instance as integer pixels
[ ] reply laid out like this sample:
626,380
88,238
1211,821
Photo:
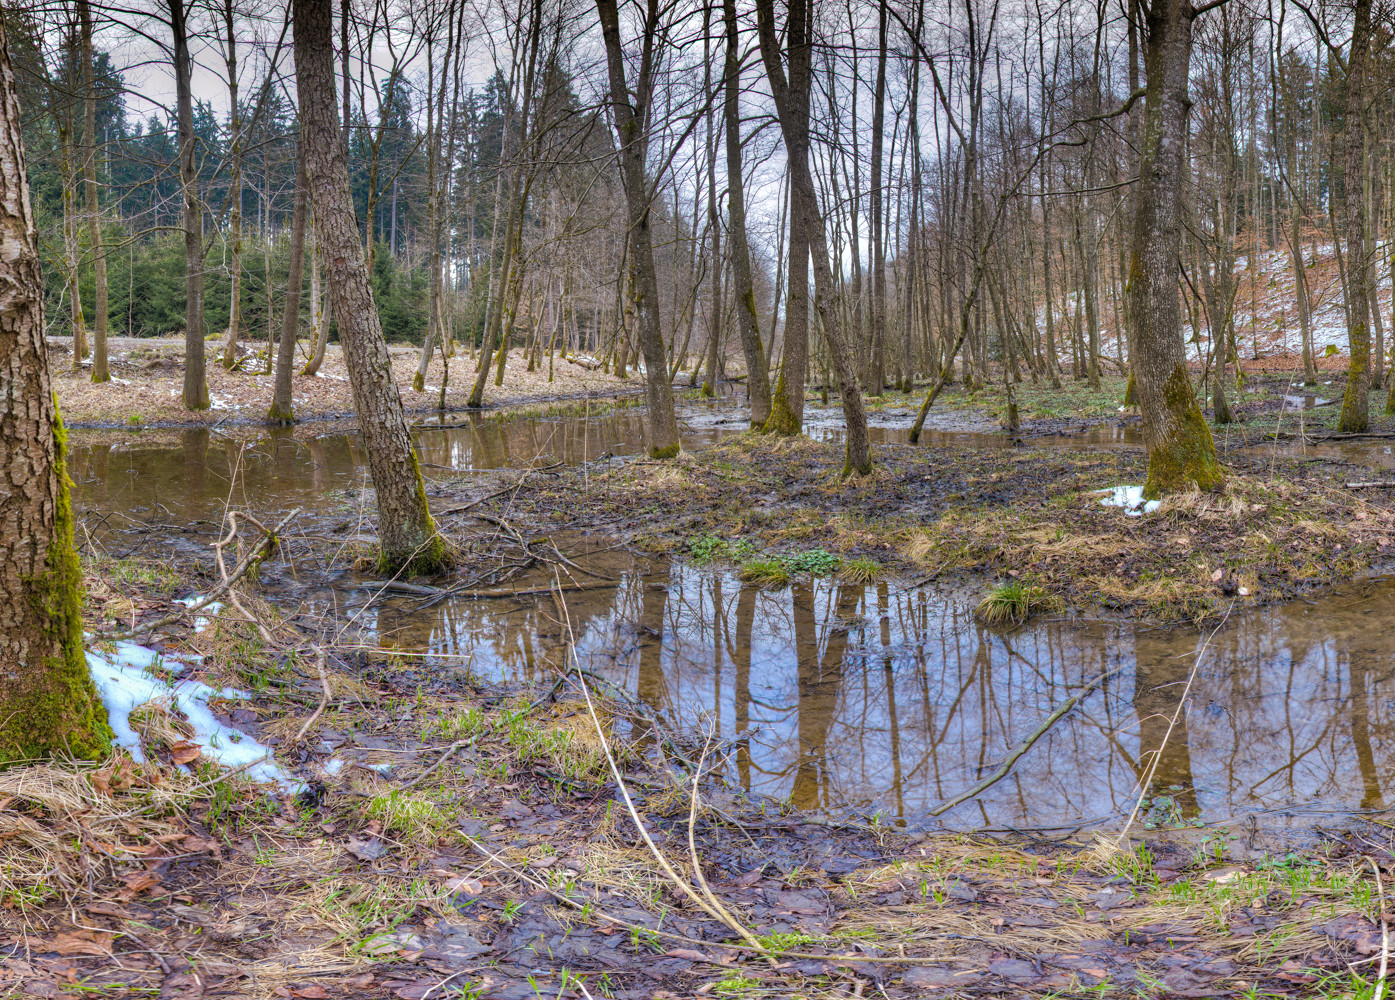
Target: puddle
838,697
877,700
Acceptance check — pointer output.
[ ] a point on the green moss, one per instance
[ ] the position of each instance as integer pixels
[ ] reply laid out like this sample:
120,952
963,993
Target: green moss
57,711
418,382
783,420
660,454
1187,458
431,554
1356,416
280,417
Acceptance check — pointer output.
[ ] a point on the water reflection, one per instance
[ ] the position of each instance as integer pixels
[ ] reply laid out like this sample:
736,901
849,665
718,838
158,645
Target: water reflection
833,695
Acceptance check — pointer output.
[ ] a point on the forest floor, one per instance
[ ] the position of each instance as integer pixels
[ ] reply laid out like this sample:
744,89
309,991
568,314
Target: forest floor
455,841
450,839
1028,519
148,380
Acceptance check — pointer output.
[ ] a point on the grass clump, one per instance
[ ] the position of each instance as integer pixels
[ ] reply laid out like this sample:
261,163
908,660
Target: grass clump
1013,602
765,572
815,562
710,548
862,570
409,816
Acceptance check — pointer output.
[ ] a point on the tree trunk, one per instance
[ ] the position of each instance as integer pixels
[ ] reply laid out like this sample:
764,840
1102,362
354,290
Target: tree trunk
319,316
630,120
100,370
407,534
282,404
48,705
195,383
234,195
877,368
1181,452
1355,417
748,323
792,108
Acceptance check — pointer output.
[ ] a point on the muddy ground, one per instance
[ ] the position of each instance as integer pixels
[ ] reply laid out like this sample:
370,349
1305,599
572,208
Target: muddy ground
477,843
457,840
1022,516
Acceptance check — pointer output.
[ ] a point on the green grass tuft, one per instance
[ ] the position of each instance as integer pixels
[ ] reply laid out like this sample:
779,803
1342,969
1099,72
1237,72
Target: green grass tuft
1013,603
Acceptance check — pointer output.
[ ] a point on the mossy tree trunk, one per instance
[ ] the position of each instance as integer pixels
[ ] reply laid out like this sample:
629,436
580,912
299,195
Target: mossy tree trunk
408,536
1181,451
47,702
630,118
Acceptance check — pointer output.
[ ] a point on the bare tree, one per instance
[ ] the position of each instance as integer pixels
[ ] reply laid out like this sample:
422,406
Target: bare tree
408,537
630,115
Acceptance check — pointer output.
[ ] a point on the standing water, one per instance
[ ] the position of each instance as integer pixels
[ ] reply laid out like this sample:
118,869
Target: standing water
845,698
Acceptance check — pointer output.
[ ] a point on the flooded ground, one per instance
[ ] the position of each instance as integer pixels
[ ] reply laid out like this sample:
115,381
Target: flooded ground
882,700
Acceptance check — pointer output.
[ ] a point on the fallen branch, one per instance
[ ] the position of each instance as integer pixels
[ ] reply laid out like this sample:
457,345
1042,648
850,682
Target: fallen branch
1006,766
1375,484
324,700
257,552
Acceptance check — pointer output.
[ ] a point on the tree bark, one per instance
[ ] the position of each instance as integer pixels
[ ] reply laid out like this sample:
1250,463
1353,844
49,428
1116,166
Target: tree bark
1355,417
630,119
100,369
792,108
48,705
748,323
319,315
1181,452
282,403
234,194
877,368
195,381
408,537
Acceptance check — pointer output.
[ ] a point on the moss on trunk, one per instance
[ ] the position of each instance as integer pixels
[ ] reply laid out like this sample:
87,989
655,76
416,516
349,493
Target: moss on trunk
54,709
1185,457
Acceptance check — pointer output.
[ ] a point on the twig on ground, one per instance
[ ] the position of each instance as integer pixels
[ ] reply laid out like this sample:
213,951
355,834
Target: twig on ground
1384,934
716,912
324,700
239,571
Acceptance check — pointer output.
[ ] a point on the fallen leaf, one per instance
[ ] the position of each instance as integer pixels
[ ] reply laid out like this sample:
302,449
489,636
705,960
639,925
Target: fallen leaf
687,953
311,993
185,752
137,883
78,943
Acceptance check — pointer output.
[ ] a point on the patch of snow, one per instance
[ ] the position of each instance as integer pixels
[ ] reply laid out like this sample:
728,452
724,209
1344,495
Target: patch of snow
1130,498
200,622
333,767
124,682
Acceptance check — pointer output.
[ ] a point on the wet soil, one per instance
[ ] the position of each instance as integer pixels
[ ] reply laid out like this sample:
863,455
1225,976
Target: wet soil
1286,525
478,844
463,834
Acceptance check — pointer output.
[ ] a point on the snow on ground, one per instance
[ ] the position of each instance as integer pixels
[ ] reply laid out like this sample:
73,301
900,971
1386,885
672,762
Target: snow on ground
1130,498
130,676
